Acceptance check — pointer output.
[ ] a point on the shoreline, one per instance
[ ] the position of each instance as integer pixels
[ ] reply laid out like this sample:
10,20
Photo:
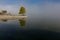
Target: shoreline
11,17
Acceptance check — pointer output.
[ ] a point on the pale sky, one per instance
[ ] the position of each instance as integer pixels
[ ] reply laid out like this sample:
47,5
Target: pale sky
44,7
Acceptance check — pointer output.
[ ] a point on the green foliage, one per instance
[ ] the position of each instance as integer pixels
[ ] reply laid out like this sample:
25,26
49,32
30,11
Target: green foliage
22,10
4,11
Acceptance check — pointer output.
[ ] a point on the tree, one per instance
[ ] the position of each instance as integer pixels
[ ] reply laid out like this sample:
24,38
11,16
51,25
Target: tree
4,11
22,11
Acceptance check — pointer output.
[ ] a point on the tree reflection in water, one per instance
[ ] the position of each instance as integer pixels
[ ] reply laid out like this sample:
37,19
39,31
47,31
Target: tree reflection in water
22,22
4,20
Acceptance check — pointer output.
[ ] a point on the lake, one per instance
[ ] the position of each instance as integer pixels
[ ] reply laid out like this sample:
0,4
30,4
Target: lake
42,22
30,28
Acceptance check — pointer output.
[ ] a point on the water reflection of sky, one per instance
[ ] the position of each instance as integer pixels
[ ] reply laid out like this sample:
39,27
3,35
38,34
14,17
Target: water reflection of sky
43,24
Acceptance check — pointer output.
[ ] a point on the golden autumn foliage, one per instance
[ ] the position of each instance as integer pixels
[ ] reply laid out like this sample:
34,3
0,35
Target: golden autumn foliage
22,10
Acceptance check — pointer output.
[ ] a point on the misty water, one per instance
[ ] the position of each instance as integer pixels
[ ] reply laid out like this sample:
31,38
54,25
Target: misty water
42,22
32,27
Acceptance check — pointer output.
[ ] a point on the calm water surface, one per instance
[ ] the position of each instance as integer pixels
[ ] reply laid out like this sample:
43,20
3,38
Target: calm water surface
33,27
